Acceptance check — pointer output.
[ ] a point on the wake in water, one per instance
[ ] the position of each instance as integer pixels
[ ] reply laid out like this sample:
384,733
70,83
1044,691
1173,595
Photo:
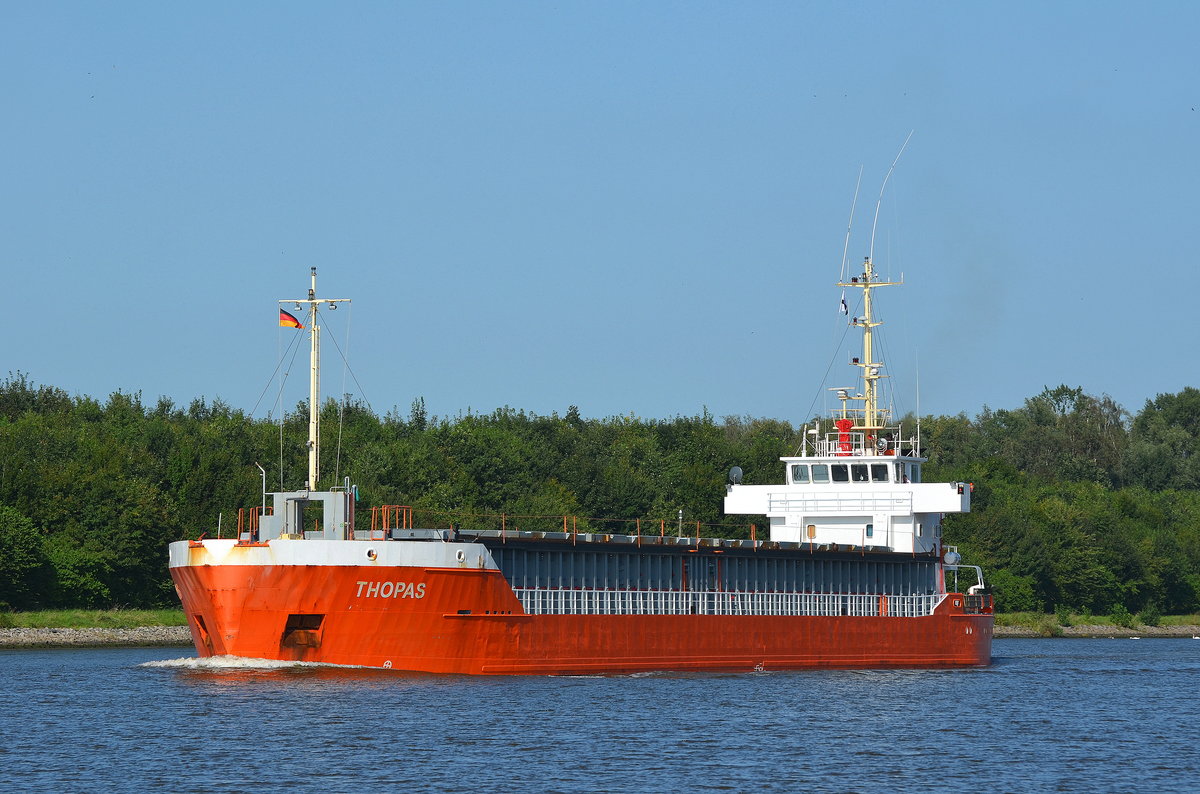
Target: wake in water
240,663
236,670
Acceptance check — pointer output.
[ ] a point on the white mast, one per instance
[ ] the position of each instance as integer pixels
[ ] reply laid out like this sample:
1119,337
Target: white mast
314,385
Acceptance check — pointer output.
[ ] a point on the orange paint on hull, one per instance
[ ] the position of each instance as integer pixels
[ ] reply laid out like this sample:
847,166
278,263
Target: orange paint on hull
243,610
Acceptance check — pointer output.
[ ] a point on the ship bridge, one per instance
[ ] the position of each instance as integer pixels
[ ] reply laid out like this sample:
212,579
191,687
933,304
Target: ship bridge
868,502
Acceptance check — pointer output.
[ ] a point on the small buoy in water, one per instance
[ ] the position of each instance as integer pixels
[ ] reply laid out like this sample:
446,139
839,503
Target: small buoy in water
1135,638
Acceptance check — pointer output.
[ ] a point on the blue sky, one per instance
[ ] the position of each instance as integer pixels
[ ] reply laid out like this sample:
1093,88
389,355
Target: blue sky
636,208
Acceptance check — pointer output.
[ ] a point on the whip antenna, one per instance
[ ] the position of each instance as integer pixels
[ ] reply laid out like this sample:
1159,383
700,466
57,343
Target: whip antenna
884,187
918,451
850,223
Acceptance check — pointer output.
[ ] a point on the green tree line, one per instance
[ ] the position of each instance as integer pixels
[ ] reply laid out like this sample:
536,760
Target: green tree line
1077,504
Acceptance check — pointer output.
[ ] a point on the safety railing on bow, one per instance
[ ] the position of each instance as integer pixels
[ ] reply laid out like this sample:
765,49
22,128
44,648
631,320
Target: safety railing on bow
389,517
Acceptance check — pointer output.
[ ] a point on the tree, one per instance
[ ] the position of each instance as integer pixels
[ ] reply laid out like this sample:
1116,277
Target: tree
25,574
1164,447
1073,505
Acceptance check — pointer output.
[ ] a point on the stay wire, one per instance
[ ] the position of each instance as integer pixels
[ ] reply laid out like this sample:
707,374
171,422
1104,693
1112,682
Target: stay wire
825,377
351,371
271,380
342,401
279,407
337,460
895,398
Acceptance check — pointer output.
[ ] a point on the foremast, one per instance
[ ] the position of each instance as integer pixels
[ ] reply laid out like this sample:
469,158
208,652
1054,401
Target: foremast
314,385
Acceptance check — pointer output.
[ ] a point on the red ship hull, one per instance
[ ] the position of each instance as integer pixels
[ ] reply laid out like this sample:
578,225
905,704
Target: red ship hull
462,620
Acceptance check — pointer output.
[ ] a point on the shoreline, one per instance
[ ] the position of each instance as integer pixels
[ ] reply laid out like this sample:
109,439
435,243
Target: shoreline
181,636
139,637
1099,631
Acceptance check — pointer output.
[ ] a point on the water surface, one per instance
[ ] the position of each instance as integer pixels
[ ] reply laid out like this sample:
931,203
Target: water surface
1048,715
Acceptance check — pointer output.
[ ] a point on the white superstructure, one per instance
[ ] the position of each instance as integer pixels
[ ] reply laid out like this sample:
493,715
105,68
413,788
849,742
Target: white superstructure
857,483
856,500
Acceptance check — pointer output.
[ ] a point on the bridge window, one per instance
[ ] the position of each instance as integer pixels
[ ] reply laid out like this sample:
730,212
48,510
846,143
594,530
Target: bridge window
799,473
820,472
879,472
858,472
840,472
870,530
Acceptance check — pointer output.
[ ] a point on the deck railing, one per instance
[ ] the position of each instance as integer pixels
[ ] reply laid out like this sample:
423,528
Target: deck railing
841,501
676,602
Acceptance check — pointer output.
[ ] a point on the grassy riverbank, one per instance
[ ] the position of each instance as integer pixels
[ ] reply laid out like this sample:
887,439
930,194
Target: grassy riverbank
92,619
1070,624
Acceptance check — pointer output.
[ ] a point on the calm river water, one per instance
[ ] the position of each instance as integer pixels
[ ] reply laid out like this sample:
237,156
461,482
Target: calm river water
1049,715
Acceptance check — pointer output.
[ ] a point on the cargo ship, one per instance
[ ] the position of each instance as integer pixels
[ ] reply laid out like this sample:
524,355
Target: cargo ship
854,573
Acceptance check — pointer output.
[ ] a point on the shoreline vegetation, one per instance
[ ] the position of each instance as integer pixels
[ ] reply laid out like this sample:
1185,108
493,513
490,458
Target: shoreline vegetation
1118,624
1077,503
168,628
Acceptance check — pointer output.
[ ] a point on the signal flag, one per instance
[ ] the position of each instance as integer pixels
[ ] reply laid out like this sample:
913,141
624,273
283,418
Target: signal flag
288,320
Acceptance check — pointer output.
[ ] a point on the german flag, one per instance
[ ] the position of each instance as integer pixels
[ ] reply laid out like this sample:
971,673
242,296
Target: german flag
289,320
